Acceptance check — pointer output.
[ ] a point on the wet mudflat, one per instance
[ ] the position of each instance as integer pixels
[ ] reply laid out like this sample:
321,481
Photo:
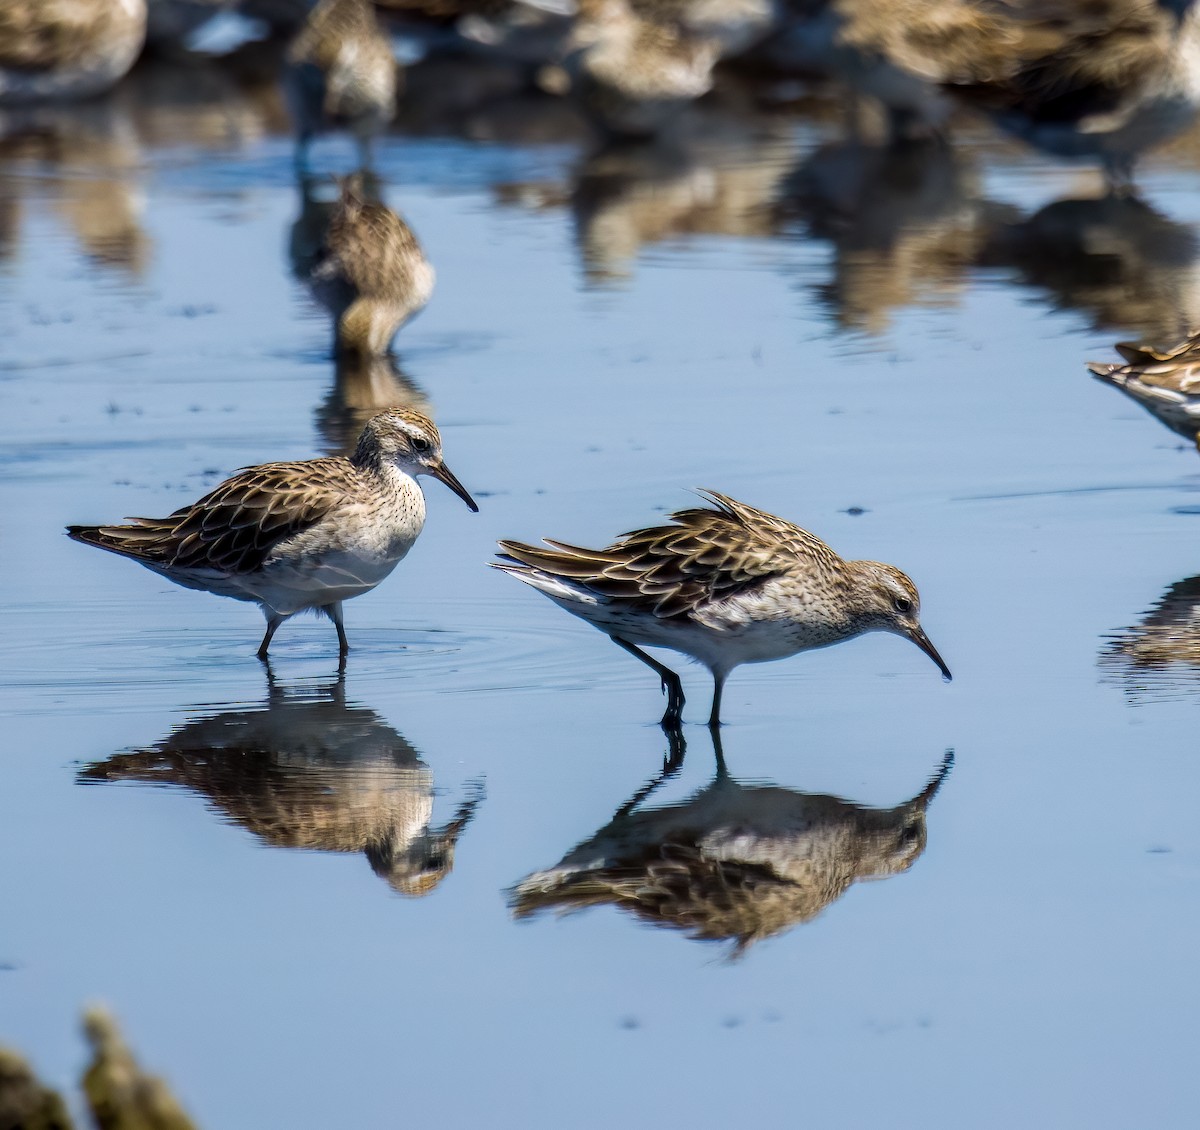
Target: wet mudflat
301,893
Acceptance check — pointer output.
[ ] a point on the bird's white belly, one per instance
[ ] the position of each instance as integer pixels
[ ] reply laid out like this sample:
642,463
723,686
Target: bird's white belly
292,585
335,560
717,642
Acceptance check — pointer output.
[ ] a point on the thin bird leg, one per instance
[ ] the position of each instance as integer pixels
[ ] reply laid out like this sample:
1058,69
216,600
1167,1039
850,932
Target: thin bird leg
273,622
334,612
671,766
714,717
671,685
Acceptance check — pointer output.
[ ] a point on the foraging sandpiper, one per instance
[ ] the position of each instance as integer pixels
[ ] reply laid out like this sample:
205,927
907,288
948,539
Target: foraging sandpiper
371,273
724,586
299,535
63,49
1166,382
341,72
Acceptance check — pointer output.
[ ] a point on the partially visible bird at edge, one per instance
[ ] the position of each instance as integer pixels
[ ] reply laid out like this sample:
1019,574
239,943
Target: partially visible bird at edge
1165,381
54,50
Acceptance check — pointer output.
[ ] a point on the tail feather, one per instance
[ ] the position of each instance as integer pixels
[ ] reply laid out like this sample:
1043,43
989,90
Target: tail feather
560,588
142,542
562,560
1106,372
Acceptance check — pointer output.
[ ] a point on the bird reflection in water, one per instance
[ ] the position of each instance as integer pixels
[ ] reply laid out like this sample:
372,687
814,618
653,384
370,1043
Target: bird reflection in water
85,160
364,384
735,862
1117,260
363,387
909,225
308,770
720,177
905,222
1160,657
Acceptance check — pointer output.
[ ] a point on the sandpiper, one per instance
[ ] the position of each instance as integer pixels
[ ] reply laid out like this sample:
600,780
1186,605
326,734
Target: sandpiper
371,274
735,862
632,75
63,49
725,586
341,72
1166,382
300,535
1101,81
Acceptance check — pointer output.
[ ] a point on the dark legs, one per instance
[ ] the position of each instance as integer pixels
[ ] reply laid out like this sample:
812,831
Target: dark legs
334,612
273,622
274,619
714,716
671,685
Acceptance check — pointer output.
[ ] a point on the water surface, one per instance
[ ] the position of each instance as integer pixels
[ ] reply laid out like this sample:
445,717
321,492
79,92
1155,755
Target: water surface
295,890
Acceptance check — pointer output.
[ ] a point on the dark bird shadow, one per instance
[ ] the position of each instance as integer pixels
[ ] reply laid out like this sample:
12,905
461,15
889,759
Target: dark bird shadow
309,770
734,862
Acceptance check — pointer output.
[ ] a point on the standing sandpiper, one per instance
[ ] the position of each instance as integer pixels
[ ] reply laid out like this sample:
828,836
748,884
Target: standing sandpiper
371,273
301,535
341,71
725,586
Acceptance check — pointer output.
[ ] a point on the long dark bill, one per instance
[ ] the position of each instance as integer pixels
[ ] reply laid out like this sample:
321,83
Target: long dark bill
442,472
922,641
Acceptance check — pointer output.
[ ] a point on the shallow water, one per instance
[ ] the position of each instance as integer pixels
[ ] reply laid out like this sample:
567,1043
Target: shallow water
296,892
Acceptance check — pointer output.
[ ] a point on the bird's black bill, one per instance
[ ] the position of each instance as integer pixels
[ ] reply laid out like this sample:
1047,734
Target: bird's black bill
922,641
442,472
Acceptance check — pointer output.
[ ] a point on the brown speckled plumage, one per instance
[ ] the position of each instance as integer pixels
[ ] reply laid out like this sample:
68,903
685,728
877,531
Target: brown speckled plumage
632,75
705,556
341,73
1163,380
52,49
726,586
297,535
1102,79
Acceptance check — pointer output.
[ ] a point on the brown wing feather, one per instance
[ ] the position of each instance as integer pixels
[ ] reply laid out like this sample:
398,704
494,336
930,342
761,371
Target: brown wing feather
233,528
706,556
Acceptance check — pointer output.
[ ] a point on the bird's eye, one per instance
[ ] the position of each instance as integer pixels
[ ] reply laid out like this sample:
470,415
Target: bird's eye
903,605
421,445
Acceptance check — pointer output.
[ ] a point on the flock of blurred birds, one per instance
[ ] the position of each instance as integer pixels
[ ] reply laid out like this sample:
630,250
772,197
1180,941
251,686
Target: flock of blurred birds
685,112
